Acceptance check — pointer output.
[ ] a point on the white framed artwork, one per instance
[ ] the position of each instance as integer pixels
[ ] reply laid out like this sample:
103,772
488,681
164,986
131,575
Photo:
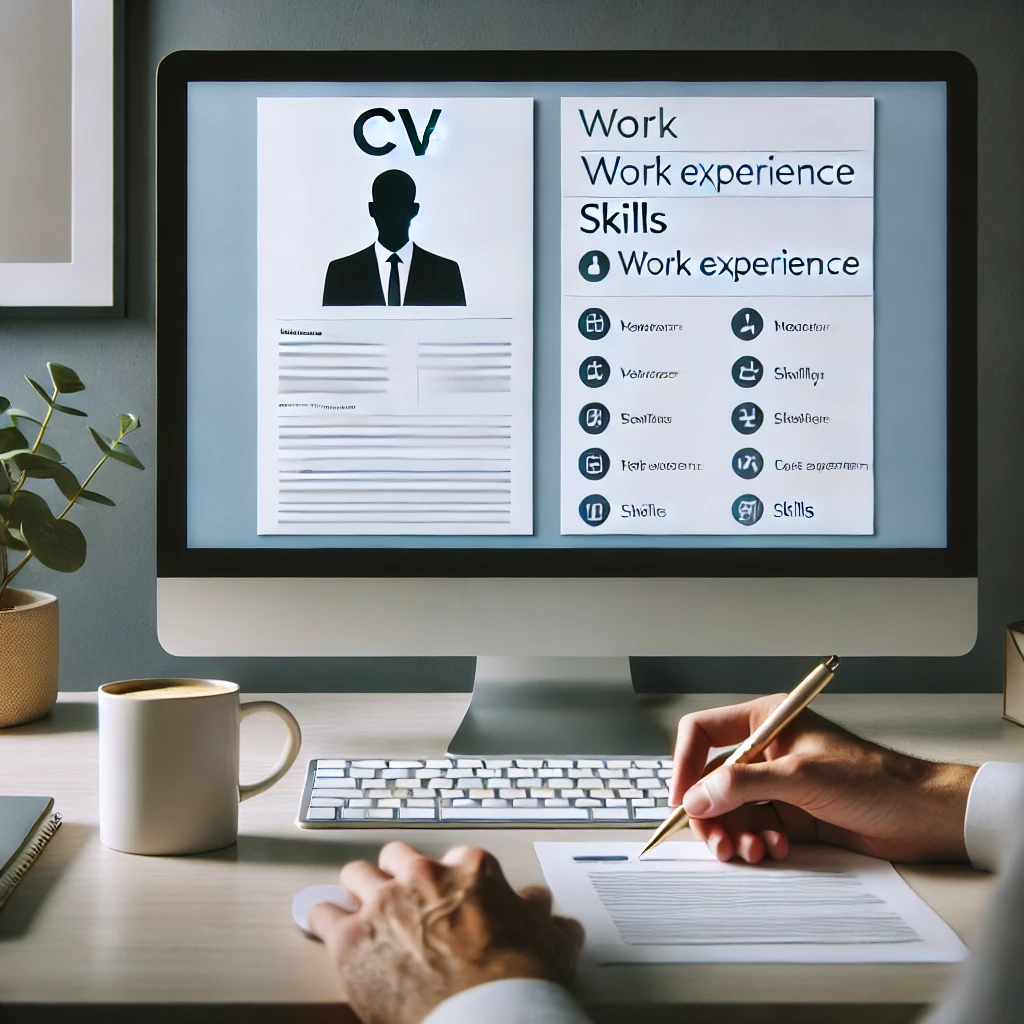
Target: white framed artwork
57,199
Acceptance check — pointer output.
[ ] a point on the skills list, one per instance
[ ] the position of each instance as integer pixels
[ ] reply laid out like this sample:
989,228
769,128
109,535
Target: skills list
717,315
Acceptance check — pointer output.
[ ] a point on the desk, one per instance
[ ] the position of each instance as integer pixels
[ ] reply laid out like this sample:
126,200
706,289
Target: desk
91,926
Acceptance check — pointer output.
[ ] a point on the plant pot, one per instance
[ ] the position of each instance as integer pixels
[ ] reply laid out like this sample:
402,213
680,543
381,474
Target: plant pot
28,656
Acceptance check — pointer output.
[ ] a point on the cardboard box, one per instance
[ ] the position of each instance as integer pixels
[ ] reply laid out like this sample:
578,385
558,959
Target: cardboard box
1013,685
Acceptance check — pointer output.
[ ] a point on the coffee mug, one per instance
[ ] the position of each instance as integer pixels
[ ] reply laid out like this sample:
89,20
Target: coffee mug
169,763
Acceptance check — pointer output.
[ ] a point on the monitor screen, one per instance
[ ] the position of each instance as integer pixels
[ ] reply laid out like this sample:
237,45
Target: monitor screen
536,315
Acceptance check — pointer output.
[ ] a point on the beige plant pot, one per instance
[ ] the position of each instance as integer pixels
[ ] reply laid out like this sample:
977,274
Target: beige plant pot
28,656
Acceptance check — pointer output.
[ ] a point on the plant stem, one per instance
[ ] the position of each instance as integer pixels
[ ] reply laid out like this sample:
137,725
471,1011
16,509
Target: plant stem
14,572
39,440
85,484
46,421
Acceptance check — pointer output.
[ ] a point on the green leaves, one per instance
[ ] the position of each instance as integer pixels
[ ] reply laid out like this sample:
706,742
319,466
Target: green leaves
65,380
41,467
58,543
11,440
20,414
116,450
45,396
96,498
127,422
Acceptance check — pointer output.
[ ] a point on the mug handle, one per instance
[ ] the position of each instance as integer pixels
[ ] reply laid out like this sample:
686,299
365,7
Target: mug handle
288,755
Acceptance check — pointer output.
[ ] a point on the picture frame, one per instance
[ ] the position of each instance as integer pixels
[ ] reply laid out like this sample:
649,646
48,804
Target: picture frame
60,213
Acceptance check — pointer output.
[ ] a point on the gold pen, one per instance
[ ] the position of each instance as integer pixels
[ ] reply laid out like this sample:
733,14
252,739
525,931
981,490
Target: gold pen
805,691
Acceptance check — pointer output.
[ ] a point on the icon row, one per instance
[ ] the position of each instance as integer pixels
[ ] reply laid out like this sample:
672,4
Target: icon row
595,509
594,323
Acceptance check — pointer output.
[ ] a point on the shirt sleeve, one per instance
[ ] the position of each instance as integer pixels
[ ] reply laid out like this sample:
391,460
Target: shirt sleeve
511,1001
994,807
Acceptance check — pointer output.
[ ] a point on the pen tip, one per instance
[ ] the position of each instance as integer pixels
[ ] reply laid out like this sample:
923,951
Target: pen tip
833,663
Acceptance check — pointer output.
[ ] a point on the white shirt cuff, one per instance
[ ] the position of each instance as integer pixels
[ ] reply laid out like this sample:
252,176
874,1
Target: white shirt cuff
995,805
512,1001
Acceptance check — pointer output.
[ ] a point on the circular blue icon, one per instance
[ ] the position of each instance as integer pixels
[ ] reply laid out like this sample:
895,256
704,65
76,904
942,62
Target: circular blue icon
747,509
594,509
594,265
593,463
594,418
747,418
747,463
595,372
594,323
747,371
747,324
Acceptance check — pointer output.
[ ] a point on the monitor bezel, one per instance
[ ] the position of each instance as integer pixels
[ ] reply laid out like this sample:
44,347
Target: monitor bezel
175,558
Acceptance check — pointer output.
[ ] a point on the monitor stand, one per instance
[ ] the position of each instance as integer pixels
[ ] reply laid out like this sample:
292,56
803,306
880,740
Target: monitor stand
572,706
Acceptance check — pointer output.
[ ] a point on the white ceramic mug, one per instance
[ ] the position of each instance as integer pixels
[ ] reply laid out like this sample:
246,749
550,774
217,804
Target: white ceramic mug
169,753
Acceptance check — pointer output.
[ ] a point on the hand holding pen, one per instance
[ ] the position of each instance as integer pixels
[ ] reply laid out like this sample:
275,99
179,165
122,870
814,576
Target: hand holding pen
825,785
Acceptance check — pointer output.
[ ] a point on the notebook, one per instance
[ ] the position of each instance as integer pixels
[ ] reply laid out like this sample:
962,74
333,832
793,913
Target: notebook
27,823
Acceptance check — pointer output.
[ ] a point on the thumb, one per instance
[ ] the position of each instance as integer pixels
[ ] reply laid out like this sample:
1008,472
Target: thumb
324,919
731,786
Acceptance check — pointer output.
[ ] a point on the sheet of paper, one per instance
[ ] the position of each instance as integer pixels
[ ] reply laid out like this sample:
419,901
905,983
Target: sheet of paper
395,315
717,315
681,905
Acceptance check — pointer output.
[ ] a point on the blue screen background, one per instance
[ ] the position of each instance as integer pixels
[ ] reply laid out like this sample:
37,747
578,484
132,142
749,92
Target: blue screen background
910,311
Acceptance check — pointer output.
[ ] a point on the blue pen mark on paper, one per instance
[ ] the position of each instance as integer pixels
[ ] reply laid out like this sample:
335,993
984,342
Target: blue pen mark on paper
584,858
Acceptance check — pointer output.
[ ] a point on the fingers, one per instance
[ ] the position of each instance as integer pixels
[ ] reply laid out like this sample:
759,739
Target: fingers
324,919
397,859
572,930
716,727
537,896
362,879
734,785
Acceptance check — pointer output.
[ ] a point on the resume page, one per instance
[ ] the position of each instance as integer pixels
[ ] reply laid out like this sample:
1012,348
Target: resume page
395,315
717,315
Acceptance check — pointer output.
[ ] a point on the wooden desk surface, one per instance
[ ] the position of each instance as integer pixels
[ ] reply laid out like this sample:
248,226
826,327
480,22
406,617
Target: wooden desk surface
90,925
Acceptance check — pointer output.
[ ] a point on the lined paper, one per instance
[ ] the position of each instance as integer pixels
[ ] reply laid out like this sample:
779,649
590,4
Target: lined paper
681,905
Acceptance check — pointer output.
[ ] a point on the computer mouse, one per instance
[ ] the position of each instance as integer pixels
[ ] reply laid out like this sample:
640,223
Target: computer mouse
306,899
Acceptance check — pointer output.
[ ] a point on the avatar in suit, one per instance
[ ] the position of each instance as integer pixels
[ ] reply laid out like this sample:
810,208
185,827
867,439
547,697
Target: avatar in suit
393,271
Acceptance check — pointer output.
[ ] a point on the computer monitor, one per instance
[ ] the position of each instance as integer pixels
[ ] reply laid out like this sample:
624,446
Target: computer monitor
566,357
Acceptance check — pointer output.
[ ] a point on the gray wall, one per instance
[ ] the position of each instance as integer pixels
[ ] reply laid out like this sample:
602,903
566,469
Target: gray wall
108,608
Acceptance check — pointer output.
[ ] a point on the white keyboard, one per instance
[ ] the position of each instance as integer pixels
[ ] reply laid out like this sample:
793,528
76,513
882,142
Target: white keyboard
464,791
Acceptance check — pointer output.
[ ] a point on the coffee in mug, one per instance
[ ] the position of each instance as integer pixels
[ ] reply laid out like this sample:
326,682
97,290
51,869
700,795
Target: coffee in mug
169,752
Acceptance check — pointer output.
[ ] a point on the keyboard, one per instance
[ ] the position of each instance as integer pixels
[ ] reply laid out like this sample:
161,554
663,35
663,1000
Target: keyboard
551,792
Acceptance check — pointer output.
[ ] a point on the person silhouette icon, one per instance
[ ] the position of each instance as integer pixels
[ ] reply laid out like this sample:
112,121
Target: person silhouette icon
595,267
393,271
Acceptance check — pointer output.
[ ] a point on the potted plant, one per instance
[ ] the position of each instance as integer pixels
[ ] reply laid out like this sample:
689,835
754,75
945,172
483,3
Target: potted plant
29,529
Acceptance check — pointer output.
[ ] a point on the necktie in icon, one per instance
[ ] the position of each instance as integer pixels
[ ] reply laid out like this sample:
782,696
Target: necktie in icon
394,289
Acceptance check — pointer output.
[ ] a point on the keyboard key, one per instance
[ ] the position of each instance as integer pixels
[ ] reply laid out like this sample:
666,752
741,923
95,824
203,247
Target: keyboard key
620,764
375,784
360,803
422,813
509,794
468,762
561,764
369,764
463,803
321,814
650,813
390,802
383,813
590,764
419,802
550,773
440,762
615,802
610,773
320,802
556,802
528,764
515,814
542,792
405,764
586,802
525,802
665,762
664,773
353,814
642,803
580,773
428,773
520,773
478,794
439,783
331,773
331,763
647,764
632,794
332,792
396,773
610,814
335,784
362,773
490,762
495,802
